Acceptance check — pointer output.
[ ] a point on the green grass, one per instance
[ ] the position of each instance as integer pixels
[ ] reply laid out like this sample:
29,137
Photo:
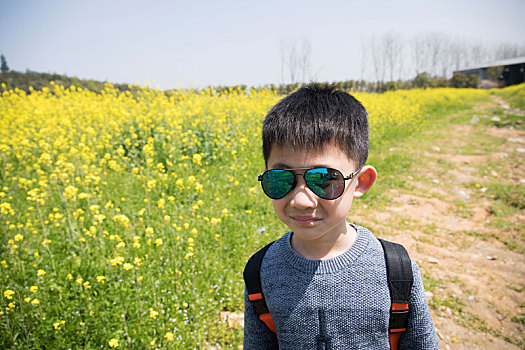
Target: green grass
514,95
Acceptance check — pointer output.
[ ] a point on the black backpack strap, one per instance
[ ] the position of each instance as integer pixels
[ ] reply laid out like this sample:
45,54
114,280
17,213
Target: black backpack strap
400,280
252,279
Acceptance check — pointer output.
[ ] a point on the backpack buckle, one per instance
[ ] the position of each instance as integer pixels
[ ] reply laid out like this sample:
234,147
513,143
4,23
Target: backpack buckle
258,302
398,317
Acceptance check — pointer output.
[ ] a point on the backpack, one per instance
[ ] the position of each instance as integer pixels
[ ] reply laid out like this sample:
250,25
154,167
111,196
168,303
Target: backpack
399,277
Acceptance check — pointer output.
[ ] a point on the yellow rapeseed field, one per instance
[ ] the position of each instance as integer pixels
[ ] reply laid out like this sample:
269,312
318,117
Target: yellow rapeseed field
127,218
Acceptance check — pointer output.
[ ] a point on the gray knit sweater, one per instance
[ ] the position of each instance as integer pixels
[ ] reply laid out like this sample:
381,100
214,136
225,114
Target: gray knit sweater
339,303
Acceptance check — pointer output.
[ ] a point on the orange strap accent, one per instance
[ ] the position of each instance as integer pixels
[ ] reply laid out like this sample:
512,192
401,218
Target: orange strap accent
255,296
268,320
395,333
399,306
394,340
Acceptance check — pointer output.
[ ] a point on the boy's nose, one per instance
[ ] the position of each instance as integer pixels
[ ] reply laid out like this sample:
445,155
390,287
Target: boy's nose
302,196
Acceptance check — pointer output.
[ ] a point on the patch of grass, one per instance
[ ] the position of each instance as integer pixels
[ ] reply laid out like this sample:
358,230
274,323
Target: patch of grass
502,118
510,194
519,289
431,283
514,95
430,229
466,243
452,302
462,208
483,236
424,239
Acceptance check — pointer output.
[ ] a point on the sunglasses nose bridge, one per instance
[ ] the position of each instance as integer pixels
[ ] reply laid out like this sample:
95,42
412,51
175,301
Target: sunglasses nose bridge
302,196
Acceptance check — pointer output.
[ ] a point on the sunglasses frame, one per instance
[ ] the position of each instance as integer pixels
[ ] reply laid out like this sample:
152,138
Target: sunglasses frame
292,170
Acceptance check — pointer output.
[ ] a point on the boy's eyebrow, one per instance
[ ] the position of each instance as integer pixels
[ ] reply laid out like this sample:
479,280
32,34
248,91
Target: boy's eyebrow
286,166
281,166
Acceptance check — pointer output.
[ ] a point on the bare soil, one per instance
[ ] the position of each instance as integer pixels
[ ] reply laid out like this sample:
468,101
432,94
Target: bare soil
471,253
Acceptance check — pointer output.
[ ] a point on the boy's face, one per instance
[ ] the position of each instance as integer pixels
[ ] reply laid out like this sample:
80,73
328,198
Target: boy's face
310,217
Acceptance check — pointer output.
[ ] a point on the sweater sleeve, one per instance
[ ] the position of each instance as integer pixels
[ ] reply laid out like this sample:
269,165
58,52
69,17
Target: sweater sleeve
420,332
256,335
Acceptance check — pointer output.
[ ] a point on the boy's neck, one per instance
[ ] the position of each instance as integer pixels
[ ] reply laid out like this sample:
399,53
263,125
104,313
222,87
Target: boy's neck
327,247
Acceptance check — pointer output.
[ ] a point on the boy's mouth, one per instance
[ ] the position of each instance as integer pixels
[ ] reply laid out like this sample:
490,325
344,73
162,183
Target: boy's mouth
305,220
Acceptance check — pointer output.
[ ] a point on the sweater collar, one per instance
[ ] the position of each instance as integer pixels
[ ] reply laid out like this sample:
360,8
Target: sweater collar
332,265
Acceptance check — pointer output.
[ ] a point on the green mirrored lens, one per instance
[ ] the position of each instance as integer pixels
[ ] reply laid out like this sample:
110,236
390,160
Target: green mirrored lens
277,183
325,182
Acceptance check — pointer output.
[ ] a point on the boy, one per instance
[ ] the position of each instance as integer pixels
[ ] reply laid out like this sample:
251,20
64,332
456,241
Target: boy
325,281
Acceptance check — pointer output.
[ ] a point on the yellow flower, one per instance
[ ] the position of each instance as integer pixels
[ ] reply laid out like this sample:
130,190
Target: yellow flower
113,343
159,242
118,260
127,266
34,289
151,184
83,195
99,217
153,314
198,187
9,294
70,192
101,279
169,336
40,272
19,237
35,302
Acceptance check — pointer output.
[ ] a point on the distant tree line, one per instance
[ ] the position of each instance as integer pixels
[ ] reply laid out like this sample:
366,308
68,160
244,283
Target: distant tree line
391,56
23,81
423,80
37,81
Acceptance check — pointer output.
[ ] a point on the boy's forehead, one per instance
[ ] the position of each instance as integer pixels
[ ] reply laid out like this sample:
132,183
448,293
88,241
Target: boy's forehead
329,155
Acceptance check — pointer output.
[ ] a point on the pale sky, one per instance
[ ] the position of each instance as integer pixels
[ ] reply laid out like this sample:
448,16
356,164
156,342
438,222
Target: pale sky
174,44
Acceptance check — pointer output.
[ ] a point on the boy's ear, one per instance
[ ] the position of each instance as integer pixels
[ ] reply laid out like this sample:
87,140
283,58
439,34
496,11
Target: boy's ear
367,177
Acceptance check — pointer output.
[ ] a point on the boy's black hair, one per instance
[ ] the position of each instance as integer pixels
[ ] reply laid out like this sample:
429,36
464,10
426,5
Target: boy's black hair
317,115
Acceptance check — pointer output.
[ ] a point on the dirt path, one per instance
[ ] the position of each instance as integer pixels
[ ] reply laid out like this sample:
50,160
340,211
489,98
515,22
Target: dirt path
460,216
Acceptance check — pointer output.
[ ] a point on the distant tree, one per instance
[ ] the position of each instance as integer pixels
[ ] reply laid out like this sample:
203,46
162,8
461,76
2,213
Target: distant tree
423,80
296,60
459,80
5,67
473,81
392,47
494,73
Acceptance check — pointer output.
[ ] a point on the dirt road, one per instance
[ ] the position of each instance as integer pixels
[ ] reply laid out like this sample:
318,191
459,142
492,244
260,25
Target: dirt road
460,215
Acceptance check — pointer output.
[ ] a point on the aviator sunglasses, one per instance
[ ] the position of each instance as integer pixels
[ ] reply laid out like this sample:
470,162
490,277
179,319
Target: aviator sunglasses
327,183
